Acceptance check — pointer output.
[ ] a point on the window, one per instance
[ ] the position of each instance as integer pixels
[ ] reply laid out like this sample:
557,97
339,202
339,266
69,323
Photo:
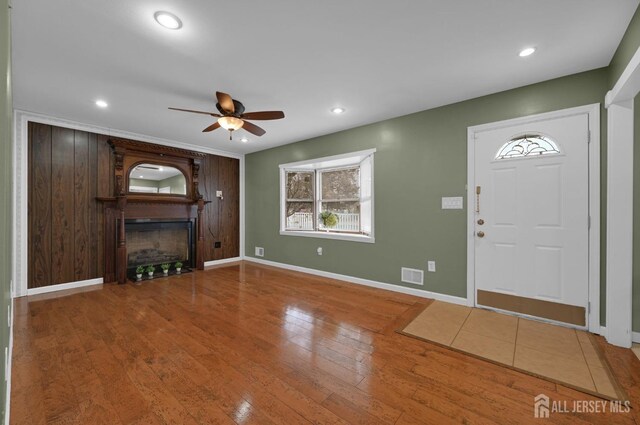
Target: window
329,197
299,203
529,145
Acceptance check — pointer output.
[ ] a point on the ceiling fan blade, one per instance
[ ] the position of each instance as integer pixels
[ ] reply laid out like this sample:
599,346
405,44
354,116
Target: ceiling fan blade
197,112
225,102
253,129
263,115
211,127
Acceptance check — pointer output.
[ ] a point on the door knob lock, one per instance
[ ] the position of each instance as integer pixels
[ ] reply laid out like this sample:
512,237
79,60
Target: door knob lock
480,234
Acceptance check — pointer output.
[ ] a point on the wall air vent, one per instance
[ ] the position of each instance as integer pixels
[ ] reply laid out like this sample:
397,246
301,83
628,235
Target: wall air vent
259,251
413,276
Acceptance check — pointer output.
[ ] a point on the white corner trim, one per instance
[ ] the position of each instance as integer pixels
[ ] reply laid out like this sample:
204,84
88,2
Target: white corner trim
627,85
365,282
64,286
241,207
593,112
619,258
224,261
635,336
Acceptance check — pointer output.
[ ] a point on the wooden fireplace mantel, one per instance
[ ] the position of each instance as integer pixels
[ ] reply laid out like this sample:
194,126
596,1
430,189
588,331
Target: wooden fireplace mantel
129,205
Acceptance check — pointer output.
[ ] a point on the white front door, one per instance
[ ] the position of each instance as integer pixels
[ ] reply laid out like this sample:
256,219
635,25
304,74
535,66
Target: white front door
532,219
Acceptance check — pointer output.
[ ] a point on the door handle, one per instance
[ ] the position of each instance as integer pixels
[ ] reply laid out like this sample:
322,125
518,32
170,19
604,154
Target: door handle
480,234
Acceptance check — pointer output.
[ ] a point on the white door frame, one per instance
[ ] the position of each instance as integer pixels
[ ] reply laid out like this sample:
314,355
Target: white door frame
619,104
593,111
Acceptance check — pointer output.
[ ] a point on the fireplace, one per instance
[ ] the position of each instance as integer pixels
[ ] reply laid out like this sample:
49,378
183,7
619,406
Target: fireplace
154,242
142,229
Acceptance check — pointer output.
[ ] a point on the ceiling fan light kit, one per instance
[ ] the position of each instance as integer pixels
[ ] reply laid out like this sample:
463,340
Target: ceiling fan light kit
230,123
232,116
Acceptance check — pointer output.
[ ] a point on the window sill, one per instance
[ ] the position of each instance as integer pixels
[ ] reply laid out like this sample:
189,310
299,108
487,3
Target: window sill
329,235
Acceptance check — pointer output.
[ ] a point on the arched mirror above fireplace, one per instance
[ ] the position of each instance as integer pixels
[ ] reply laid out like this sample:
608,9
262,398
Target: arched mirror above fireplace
157,179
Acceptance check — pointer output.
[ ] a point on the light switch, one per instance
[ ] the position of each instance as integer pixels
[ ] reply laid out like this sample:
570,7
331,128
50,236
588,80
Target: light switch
452,203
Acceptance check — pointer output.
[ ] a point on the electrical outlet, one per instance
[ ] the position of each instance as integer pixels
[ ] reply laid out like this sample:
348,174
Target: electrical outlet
259,251
431,266
319,250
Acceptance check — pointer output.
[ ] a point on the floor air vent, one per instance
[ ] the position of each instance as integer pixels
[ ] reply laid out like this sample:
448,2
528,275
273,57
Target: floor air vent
413,276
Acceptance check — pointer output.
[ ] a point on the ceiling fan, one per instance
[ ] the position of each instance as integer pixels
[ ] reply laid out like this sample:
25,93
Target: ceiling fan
232,116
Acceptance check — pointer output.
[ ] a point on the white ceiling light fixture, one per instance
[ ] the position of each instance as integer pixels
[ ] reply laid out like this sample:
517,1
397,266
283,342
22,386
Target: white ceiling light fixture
168,20
244,140
101,103
338,110
230,123
527,52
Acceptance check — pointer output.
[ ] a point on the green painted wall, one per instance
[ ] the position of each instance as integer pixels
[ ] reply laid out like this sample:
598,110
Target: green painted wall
420,158
6,175
626,49
176,183
143,182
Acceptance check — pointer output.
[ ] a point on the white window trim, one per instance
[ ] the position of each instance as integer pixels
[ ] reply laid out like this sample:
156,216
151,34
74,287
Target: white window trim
310,164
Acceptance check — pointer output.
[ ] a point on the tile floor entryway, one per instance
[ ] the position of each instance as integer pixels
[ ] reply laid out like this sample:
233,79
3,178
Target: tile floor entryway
554,352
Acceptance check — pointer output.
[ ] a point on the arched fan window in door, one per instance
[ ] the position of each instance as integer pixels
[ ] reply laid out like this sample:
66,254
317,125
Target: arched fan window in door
528,145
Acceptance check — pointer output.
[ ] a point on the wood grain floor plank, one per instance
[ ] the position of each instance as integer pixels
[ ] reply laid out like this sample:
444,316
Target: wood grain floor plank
248,344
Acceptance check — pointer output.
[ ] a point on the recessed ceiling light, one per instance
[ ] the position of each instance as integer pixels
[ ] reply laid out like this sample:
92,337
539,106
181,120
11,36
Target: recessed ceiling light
244,140
141,177
527,52
101,103
168,20
338,110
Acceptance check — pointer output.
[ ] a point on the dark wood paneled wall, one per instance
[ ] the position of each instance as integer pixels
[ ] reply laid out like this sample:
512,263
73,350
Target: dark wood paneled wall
68,169
222,223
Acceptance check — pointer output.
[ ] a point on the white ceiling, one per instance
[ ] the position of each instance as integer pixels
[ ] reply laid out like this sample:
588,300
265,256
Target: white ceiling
378,59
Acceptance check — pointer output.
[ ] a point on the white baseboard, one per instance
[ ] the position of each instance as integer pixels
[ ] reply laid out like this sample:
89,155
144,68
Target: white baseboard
365,282
635,336
225,261
63,286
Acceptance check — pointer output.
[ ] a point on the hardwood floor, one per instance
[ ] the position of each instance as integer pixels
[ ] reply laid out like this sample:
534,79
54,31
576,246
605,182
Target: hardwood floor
252,344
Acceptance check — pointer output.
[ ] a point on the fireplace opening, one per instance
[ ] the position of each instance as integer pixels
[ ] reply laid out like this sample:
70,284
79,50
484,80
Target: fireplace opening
159,242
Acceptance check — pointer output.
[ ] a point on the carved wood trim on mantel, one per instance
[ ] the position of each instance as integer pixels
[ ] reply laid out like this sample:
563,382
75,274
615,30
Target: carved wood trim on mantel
129,154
